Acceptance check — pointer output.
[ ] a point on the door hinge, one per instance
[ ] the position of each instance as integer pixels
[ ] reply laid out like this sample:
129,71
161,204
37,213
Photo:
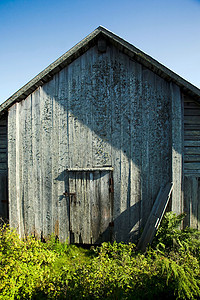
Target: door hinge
66,194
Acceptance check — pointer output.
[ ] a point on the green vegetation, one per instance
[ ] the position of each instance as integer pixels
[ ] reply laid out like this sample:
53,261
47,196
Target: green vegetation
170,269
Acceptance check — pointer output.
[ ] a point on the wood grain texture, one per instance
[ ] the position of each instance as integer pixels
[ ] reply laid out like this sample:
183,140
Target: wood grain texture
192,201
13,218
81,48
192,163
191,158
104,110
3,169
90,206
37,198
177,149
4,196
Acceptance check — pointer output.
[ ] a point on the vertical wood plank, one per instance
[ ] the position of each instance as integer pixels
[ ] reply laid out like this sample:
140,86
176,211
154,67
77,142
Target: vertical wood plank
37,157
3,168
177,148
4,196
24,152
63,153
146,202
12,167
198,203
105,207
125,145
101,126
136,155
116,139
57,194
187,200
46,136
191,201
18,182
14,178
194,203
73,209
27,165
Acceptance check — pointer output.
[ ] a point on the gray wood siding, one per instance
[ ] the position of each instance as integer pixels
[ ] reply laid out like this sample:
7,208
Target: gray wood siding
102,110
177,136
89,199
3,145
192,162
3,169
191,137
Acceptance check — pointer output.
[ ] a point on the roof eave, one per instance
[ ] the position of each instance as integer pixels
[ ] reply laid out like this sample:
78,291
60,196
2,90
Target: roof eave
153,64
51,70
81,48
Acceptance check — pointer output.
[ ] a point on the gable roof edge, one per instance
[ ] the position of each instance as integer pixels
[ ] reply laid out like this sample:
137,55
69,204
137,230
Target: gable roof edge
45,75
153,64
81,48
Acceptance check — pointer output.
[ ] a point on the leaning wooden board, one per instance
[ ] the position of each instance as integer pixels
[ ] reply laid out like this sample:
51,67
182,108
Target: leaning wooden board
155,216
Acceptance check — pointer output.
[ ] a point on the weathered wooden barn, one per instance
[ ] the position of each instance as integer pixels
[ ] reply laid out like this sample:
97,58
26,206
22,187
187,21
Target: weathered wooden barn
86,145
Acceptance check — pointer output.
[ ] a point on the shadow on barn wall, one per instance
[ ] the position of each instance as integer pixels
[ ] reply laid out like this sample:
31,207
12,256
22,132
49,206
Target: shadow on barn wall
103,110
109,233
116,113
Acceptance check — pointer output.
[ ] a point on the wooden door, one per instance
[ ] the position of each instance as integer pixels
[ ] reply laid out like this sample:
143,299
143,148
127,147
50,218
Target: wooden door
90,202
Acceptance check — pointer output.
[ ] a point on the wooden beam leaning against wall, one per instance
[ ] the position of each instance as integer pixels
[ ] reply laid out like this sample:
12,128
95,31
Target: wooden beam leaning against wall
155,216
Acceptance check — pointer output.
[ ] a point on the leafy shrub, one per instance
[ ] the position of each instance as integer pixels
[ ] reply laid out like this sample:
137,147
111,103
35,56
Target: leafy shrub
24,265
30,269
171,238
118,274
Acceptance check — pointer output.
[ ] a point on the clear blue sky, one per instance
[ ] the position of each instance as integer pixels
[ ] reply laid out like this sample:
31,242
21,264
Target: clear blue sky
35,33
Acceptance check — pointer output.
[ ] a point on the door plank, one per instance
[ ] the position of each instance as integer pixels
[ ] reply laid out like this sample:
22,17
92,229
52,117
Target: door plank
90,206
